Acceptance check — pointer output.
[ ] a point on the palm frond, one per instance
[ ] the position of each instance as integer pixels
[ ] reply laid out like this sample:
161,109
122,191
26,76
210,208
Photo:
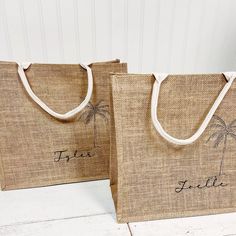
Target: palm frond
98,103
103,106
90,105
216,126
214,135
232,124
220,120
232,135
218,140
103,111
83,115
89,117
102,115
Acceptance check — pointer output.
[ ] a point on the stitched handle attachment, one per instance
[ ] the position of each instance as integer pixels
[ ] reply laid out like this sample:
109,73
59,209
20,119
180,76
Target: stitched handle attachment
68,115
230,76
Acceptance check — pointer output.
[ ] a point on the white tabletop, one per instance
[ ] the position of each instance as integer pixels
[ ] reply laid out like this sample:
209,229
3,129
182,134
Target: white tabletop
87,209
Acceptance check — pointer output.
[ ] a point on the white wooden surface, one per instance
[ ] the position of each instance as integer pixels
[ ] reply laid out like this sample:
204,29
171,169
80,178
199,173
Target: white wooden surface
99,225
87,209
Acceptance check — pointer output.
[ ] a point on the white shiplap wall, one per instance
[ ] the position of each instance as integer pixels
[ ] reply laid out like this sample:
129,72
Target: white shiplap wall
175,36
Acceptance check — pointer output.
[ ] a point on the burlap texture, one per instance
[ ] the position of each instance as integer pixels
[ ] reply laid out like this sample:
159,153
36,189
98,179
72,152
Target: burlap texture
31,140
146,170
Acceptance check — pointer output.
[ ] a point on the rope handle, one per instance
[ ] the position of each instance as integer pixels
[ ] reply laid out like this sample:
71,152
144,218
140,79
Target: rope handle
68,115
230,76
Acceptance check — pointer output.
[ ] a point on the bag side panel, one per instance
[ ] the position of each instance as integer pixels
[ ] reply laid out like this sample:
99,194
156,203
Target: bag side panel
38,150
151,170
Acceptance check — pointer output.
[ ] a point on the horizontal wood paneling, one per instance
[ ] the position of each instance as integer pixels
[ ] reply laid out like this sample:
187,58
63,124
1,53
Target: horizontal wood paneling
152,35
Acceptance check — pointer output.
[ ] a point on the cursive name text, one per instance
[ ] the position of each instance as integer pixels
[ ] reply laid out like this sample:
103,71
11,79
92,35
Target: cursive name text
64,155
210,182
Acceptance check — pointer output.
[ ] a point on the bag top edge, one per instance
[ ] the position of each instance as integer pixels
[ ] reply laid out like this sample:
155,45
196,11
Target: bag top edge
151,74
115,61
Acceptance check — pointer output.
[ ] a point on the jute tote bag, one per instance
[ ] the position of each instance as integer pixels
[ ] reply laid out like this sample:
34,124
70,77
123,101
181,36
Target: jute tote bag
54,123
157,171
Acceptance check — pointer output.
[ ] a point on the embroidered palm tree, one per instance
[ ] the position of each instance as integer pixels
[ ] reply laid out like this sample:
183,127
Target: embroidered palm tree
91,113
221,133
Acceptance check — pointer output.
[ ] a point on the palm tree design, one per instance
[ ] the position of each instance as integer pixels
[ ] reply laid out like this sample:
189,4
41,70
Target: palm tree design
91,112
221,133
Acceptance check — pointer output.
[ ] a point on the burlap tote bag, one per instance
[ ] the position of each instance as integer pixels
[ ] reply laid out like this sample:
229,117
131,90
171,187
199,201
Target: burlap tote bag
156,170
54,123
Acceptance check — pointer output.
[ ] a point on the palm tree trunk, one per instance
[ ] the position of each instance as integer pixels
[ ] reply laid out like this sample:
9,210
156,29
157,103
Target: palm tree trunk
94,131
223,156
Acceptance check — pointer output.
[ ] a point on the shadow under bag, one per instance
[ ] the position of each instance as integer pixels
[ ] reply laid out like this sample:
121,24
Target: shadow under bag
54,123
173,150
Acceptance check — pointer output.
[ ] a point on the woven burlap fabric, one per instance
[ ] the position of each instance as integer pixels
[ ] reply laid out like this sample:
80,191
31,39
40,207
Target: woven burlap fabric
34,146
146,170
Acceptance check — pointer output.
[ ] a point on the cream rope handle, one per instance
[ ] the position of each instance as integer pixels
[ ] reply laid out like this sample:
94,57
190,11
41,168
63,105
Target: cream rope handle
230,76
68,115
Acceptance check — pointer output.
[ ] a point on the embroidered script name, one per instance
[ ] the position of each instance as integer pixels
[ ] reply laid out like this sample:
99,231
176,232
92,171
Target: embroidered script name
64,155
210,182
